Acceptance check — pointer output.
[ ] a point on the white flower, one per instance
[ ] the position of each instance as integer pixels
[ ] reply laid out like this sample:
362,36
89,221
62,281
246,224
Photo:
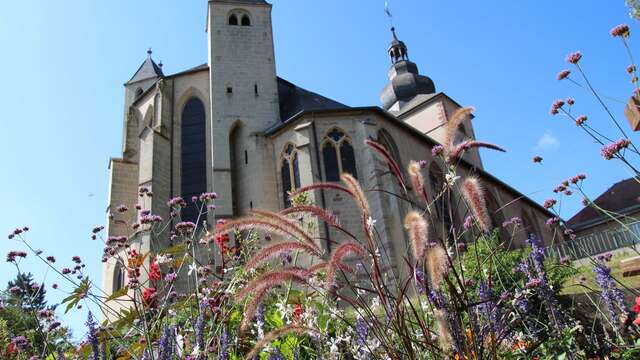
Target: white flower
179,345
196,350
371,222
163,259
451,178
193,267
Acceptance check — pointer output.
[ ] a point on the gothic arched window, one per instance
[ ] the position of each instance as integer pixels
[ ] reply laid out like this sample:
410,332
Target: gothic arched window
157,109
118,277
436,179
245,20
233,19
290,172
461,134
529,225
496,212
441,198
385,139
193,156
338,155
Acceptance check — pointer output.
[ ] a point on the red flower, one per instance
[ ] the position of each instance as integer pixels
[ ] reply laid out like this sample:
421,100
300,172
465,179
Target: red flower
297,311
221,239
154,271
636,306
149,296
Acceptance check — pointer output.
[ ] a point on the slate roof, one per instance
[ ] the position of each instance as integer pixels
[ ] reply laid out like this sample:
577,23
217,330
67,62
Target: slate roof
192,70
241,1
622,198
148,69
413,131
294,99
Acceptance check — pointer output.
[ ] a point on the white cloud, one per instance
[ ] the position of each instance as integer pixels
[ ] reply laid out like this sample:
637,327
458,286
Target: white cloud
547,142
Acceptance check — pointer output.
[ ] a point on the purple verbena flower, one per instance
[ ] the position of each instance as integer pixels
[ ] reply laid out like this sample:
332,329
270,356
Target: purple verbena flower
20,342
208,196
437,150
185,227
609,151
621,30
556,106
563,74
177,202
574,57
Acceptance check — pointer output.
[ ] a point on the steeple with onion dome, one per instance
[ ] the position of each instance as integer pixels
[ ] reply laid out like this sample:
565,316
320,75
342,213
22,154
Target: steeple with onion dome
405,82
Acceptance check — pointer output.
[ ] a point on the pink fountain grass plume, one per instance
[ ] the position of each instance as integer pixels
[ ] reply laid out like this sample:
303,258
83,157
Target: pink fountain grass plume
457,118
323,214
249,223
272,279
417,180
251,307
444,335
321,186
437,264
474,195
318,267
352,184
270,252
262,289
328,217
269,337
390,161
468,145
289,224
418,229
336,260
323,265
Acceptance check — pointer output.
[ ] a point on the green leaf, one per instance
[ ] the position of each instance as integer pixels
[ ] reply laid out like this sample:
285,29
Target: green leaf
122,292
274,319
174,250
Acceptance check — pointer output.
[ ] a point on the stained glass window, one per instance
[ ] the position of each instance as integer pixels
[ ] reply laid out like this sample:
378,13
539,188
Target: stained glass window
289,172
338,155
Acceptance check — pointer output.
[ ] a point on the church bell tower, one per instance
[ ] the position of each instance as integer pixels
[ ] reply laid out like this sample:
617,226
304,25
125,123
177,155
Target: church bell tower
244,103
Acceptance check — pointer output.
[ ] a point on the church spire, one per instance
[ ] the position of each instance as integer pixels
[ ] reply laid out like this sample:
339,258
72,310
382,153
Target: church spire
397,49
148,69
405,82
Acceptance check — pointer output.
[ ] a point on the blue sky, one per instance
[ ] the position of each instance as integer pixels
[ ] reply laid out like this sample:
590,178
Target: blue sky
64,63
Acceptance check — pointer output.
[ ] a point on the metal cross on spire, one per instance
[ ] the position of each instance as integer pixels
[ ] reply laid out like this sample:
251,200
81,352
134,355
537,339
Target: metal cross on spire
388,12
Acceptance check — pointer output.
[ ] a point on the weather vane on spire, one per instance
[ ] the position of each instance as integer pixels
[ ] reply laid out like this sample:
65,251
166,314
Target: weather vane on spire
388,12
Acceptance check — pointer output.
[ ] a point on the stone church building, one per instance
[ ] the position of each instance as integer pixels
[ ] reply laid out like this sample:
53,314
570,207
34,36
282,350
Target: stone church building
234,127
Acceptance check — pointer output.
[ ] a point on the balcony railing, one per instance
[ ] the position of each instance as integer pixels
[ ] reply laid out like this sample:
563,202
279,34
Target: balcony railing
596,243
